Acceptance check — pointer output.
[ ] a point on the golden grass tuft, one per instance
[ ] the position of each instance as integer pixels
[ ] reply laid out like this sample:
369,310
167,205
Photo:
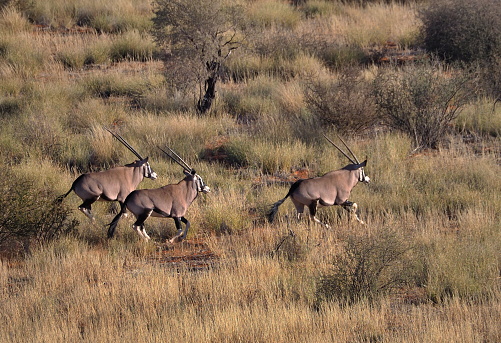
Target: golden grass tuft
12,21
267,13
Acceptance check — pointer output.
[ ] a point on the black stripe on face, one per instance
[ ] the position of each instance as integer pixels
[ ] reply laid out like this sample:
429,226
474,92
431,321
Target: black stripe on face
361,178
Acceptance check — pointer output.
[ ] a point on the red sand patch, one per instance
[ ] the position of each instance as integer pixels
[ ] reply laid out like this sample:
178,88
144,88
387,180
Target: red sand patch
190,254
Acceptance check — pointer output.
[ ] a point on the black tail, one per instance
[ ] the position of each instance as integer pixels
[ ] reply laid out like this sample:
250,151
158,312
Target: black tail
60,198
274,208
114,222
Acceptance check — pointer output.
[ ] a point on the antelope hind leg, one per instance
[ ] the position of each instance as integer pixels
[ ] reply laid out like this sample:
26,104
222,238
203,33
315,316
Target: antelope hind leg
313,212
139,224
141,232
87,212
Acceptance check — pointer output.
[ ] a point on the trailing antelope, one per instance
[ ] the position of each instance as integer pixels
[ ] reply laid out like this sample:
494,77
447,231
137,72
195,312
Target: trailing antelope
333,188
113,184
170,201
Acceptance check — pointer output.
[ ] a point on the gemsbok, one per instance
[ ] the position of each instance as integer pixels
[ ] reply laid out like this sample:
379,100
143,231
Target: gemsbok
333,188
170,201
110,185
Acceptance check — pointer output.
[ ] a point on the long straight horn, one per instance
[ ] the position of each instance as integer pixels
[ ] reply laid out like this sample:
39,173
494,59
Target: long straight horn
124,142
180,159
351,152
176,159
341,150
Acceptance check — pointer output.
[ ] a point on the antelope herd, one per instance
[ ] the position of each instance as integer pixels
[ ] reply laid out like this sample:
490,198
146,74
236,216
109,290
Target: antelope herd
173,200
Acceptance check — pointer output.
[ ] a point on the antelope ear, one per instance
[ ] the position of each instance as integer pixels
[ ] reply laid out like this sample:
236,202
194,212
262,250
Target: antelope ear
193,172
363,164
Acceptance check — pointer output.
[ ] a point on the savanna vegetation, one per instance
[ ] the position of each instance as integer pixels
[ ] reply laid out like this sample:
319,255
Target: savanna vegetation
243,90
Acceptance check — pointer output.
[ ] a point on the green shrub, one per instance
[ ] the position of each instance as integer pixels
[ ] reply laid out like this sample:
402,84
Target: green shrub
30,214
422,100
368,267
344,103
463,30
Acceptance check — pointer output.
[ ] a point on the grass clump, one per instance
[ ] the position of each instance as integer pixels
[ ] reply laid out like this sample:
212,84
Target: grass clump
463,267
266,13
116,85
12,20
118,17
132,45
482,117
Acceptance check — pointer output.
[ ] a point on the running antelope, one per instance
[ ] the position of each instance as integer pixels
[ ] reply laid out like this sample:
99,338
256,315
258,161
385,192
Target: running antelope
113,184
170,201
333,188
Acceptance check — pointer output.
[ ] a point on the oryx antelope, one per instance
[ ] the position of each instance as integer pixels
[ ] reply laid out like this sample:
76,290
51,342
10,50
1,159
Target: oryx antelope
113,184
170,201
333,188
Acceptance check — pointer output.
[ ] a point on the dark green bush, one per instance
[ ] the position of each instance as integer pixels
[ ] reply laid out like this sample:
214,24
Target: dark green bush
463,30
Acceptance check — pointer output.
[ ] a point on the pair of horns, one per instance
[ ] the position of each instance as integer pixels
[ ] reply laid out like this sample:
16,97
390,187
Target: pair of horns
341,150
175,157
124,142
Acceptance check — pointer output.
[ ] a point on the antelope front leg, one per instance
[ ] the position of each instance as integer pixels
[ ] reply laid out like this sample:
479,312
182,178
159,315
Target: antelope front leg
352,207
181,234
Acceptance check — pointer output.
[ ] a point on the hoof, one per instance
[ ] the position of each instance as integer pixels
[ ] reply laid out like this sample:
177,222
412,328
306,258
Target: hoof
176,239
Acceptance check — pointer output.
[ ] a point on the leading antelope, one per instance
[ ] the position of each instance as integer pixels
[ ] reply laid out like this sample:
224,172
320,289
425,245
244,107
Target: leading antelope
113,184
170,201
333,188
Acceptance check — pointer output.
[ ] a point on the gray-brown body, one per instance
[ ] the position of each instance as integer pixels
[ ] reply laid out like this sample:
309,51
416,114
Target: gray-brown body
114,184
332,188
170,201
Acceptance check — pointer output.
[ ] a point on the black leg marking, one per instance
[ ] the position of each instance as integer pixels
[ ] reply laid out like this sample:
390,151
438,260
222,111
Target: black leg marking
346,204
181,234
85,207
187,224
139,224
353,209
142,218
313,208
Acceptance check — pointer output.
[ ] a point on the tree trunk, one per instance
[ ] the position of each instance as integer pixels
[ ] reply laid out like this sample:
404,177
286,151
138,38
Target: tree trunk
205,102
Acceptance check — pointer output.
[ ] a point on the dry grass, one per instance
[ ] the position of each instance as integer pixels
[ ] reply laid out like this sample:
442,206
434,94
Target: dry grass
70,291
238,278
